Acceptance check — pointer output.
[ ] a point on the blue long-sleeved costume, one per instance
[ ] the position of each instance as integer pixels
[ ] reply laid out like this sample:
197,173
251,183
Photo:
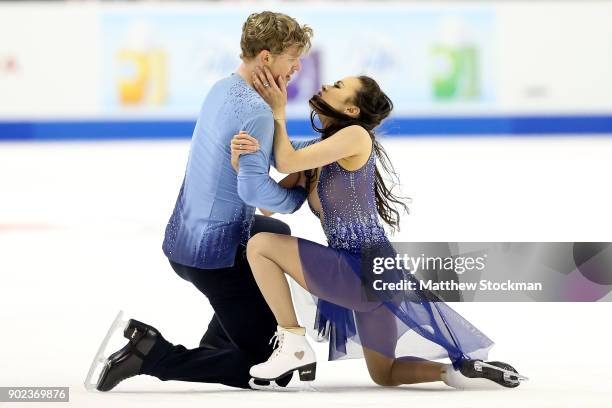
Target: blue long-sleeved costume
215,207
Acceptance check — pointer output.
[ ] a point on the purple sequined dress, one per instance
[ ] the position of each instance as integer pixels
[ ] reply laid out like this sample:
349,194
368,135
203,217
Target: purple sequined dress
350,312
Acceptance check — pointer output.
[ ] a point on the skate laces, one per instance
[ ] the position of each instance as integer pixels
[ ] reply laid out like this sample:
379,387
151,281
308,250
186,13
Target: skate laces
278,340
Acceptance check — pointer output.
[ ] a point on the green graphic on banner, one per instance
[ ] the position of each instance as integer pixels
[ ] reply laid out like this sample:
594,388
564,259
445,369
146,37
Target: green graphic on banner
456,72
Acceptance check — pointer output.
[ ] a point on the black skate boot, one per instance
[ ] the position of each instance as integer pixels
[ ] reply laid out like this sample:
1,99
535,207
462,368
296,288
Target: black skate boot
127,361
501,373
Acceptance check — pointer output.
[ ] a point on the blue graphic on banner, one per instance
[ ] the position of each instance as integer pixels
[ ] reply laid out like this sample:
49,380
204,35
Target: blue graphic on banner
155,62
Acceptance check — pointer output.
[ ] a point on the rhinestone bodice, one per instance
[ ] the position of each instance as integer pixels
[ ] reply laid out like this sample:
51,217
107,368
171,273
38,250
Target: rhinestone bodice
350,219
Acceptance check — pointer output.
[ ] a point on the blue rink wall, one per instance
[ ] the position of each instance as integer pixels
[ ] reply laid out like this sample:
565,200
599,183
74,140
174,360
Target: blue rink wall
404,127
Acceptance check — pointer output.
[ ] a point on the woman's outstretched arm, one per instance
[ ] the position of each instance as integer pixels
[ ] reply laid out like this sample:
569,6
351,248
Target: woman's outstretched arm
347,142
350,141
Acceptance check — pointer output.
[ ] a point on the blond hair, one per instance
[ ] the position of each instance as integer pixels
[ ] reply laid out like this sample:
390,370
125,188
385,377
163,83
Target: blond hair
275,32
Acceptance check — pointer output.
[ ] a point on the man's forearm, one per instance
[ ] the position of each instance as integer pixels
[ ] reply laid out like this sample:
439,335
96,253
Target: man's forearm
271,196
288,182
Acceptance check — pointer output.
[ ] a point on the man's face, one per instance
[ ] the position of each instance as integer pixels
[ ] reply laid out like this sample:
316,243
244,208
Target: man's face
285,64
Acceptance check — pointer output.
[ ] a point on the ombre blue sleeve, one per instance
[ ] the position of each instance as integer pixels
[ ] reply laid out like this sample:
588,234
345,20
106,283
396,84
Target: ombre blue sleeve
255,186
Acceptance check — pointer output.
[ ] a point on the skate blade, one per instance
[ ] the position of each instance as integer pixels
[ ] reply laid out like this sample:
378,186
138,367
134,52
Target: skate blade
100,360
479,364
306,386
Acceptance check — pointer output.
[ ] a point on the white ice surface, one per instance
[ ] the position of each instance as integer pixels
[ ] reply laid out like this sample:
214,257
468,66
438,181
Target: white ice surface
81,227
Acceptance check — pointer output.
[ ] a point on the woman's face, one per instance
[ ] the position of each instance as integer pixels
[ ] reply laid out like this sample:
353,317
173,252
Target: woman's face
341,94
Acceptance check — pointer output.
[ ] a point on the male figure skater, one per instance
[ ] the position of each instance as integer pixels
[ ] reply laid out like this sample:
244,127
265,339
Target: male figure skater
206,236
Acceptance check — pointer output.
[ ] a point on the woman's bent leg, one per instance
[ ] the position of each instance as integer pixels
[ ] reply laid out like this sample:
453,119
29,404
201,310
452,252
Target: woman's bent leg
270,257
388,371
378,333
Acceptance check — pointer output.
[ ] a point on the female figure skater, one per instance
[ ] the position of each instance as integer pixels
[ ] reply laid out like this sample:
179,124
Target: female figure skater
347,193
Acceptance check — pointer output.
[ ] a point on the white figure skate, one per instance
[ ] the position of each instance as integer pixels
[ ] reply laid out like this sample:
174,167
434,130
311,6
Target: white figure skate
97,365
293,353
477,374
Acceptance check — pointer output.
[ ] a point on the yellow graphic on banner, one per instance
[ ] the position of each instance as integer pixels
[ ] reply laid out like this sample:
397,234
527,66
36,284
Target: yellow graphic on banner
146,83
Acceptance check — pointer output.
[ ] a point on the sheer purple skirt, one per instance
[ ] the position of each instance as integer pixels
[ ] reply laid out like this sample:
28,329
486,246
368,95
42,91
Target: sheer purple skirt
396,324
